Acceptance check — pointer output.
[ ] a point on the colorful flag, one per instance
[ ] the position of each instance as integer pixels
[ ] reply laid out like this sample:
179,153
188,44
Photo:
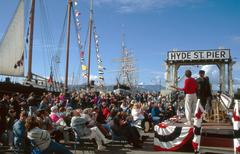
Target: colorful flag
50,79
84,67
81,54
100,72
101,77
77,13
84,75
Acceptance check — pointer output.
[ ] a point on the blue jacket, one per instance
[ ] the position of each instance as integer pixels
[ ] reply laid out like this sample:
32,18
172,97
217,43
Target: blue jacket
155,112
18,133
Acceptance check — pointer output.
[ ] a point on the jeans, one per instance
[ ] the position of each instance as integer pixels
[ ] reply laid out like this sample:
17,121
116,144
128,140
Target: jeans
56,148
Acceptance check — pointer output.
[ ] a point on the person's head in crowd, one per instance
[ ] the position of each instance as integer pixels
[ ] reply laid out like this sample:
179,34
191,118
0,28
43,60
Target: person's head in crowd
31,123
69,109
12,112
76,112
207,78
136,106
41,112
6,97
62,109
201,73
54,109
104,104
188,73
144,107
23,116
45,99
113,113
163,99
87,111
156,105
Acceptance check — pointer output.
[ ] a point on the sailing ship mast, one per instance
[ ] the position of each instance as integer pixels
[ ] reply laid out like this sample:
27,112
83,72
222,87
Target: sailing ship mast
89,44
32,12
31,29
127,73
67,48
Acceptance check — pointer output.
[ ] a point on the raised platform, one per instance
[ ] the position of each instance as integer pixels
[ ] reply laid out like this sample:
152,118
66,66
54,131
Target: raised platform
213,136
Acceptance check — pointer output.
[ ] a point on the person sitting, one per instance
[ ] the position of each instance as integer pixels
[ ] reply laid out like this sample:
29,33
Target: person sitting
120,127
155,112
137,112
41,138
19,130
124,106
54,115
105,110
80,125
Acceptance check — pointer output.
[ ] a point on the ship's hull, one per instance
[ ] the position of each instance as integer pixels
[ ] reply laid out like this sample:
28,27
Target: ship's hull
10,88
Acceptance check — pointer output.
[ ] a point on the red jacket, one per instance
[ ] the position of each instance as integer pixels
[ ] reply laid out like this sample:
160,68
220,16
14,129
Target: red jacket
190,86
105,112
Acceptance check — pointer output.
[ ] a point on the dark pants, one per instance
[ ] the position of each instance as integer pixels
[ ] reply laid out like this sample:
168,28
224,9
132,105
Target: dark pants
131,133
56,148
203,102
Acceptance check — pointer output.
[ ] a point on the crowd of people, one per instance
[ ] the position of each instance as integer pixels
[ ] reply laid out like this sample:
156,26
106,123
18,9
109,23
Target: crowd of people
46,120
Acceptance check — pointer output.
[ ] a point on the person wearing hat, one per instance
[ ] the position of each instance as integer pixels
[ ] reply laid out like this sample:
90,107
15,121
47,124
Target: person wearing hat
54,114
190,90
41,138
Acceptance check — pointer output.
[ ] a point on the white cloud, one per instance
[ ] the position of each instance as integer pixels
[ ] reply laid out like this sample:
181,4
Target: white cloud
212,72
128,6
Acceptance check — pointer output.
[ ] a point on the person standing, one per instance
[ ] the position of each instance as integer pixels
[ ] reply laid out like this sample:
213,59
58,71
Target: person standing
208,87
190,89
204,90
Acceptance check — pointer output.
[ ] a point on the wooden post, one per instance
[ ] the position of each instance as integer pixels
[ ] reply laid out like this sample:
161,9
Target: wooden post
31,28
167,75
230,79
174,75
67,48
222,77
89,44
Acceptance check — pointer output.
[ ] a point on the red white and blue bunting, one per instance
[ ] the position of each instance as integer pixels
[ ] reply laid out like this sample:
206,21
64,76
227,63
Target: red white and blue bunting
236,127
171,138
198,115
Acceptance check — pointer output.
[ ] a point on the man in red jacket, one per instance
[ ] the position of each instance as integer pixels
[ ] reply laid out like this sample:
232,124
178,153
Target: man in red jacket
190,90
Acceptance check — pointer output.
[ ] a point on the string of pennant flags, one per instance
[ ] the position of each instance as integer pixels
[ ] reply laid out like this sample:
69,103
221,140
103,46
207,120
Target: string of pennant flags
99,60
84,67
78,29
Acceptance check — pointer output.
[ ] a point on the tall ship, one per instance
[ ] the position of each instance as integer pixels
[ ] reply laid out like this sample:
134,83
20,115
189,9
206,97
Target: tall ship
16,51
127,78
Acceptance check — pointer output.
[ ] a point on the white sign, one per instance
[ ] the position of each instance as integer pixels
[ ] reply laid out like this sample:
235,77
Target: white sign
199,55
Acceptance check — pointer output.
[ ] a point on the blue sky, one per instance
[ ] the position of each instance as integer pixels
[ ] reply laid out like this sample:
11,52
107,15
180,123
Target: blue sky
152,27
